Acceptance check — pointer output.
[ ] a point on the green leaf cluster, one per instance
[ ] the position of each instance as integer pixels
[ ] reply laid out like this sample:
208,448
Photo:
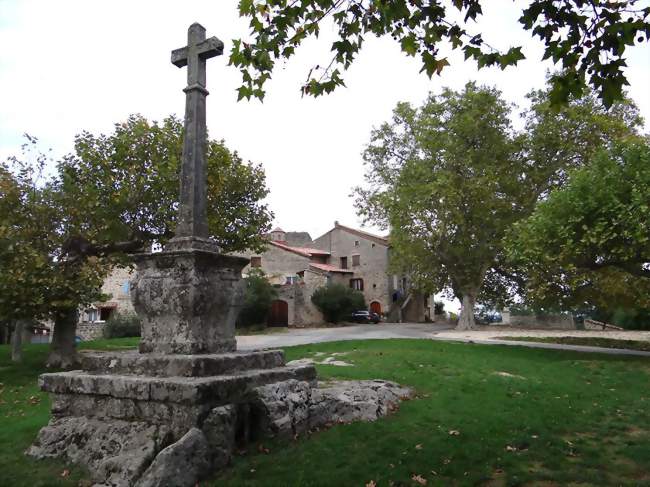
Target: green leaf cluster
259,295
115,194
588,38
452,177
337,302
589,242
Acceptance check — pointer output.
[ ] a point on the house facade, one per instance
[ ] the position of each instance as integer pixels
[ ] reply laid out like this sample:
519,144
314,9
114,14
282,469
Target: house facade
297,265
343,255
93,318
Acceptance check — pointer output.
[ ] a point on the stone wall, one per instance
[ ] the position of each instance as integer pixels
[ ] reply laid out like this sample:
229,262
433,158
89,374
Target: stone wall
553,321
277,263
117,287
373,263
302,312
90,331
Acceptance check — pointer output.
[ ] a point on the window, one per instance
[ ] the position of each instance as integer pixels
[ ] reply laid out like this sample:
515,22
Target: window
91,314
291,280
344,262
356,243
105,313
356,284
356,260
256,262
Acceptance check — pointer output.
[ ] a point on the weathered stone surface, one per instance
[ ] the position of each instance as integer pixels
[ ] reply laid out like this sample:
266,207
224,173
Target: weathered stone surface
188,301
161,365
181,464
282,408
347,401
215,390
219,429
178,417
116,453
293,406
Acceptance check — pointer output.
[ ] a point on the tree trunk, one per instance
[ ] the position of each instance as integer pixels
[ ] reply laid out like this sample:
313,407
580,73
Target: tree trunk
63,354
17,342
466,320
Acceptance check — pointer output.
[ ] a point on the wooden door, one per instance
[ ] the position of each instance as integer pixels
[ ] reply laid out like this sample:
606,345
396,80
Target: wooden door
279,315
375,307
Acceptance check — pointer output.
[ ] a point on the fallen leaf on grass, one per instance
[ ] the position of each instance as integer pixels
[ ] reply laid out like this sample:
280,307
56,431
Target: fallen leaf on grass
261,449
371,484
65,473
511,448
418,446
454,432
419,479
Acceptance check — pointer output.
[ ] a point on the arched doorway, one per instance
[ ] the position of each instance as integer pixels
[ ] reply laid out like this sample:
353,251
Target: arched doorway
375,307
279,314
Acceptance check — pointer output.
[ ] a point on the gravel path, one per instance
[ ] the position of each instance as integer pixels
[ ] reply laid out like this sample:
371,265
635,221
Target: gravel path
488,335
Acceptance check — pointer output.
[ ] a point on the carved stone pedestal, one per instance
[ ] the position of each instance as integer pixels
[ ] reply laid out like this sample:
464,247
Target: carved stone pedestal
188,301
124,409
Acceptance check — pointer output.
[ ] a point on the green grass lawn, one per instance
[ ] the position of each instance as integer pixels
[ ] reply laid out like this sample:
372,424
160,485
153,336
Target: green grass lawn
587,341
524,417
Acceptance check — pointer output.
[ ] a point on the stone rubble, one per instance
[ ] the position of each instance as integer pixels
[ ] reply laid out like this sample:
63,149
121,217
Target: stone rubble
181,464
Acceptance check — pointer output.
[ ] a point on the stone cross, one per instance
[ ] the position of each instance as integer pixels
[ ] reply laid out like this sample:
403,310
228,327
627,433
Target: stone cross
192,221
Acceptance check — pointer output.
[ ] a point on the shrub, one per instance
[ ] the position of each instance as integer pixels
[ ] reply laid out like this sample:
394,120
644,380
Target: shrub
336,301
438,307
121,325
257,300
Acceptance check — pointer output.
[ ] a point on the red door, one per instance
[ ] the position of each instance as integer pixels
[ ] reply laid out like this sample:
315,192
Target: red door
279,315
375,307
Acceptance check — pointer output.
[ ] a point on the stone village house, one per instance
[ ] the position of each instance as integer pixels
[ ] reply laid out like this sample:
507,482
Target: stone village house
297,265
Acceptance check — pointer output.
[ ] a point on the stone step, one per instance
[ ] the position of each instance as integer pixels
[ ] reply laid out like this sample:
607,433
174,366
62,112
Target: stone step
170,365
214,390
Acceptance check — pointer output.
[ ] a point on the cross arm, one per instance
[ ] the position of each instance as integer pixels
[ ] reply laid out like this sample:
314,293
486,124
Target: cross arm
210,48
179,57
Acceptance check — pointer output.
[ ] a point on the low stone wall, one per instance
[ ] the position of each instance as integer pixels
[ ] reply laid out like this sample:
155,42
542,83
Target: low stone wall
553,321
91,331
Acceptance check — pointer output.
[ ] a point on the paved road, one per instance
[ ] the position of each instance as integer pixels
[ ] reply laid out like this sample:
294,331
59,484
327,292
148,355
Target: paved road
303,336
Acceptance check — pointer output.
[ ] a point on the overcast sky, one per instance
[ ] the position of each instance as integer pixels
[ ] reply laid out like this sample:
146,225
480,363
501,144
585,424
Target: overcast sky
67,66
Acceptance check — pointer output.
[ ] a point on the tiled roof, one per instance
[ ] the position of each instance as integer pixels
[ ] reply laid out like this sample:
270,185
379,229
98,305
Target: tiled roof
304,251
329,268
361,233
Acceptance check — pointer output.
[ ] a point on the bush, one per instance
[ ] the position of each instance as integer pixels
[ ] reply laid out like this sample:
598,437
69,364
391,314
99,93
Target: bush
438,307
257,300
121,325
628,318
337,302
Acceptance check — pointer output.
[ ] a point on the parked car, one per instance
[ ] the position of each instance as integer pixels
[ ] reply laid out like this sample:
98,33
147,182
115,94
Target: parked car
363,316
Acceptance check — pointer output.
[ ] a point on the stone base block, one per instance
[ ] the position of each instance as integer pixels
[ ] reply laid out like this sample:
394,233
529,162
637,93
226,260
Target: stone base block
162,365
144,442
179,402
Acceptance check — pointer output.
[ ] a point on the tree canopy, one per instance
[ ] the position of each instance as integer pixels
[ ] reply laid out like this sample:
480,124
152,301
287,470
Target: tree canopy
123,188
588,38
589,242
446,180
116,194
452,177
